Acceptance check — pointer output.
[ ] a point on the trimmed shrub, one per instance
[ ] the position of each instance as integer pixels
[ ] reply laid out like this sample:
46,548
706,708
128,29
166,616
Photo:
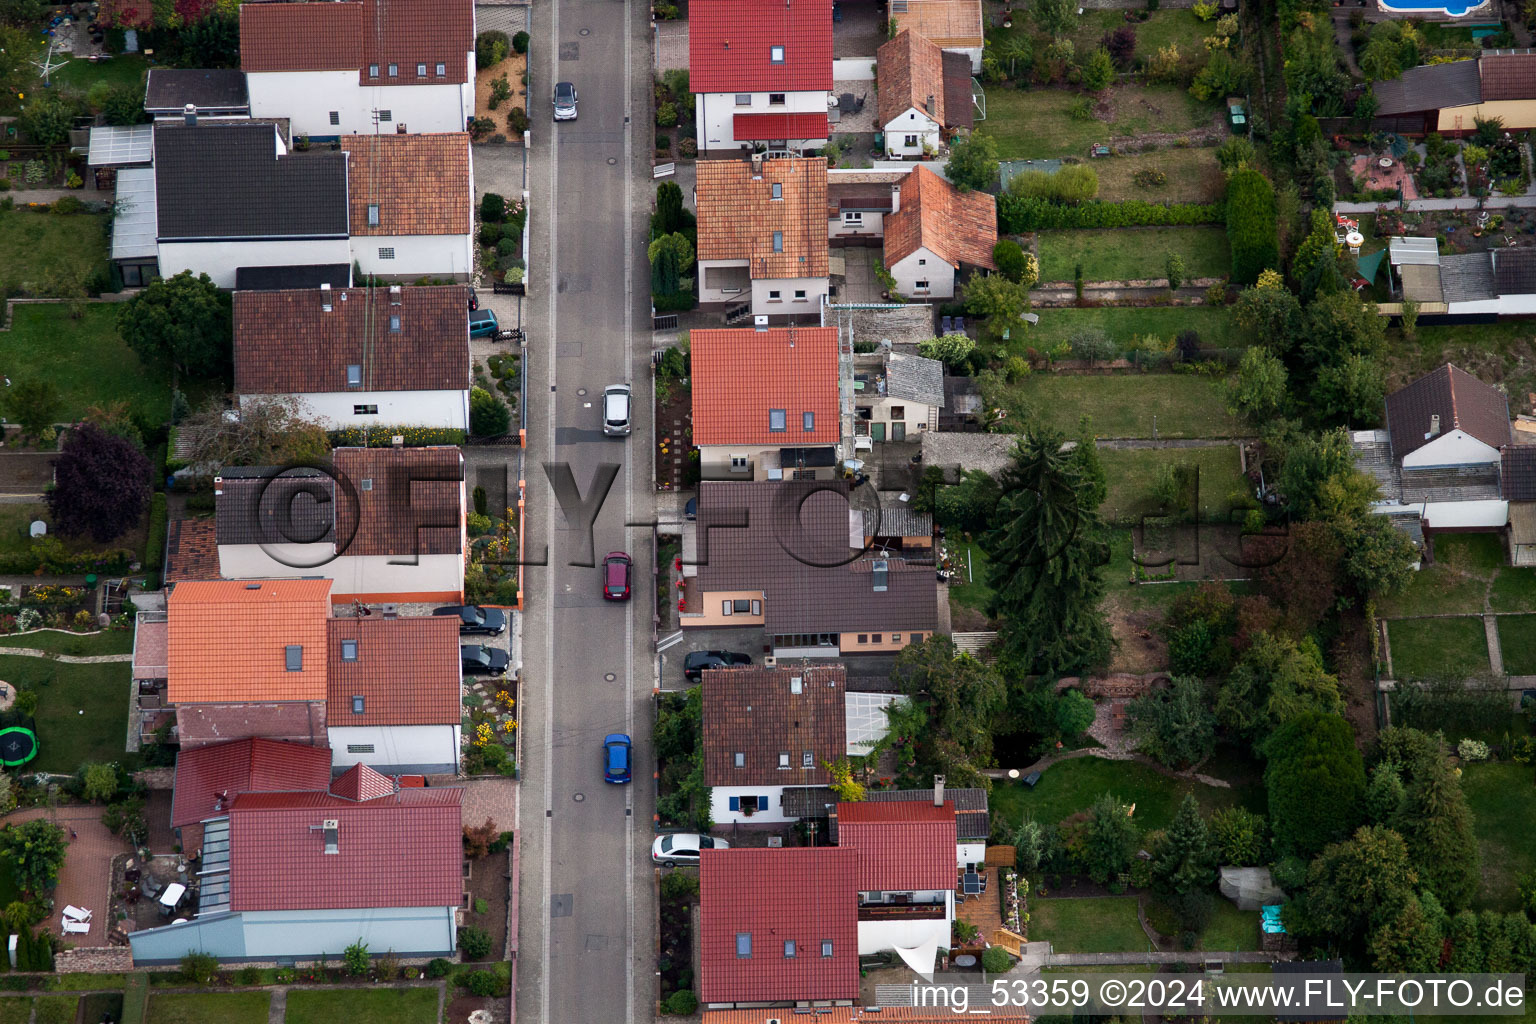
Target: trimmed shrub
680,1003
474,942
482,983
995,960
520,43
1251,225
438,968
154,548
1018,214
491,48
493,208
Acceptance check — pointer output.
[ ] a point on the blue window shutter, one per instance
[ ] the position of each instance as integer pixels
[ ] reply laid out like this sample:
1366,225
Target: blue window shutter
735,803
762,803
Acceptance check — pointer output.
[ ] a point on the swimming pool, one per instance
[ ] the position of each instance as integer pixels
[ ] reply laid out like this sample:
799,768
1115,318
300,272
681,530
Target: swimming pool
1450,8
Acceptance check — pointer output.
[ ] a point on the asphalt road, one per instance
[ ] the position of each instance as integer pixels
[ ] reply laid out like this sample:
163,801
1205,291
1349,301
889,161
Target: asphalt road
586,916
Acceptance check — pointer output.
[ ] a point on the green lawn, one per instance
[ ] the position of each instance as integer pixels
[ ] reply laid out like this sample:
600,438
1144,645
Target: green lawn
1191,172
1123,323
1438,648
55,1009
1514,590
1517,643
1179,27
198,1007
119,641
67,738
970,563
1105,924
1125,405
1504,807
1132,475
363,1006
124,69
1125,254
86,360
1071,786
1457,581
1470,552
1229,930
39,250
15,1009
1037,123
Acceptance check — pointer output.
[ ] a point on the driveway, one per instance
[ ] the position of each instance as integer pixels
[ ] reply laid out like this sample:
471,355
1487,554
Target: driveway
748,640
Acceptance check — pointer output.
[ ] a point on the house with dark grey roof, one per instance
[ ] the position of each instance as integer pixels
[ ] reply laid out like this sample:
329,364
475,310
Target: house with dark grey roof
228,194
386,524
1438,459
896,395
791,558
210,92
1450,98
361,66
357,357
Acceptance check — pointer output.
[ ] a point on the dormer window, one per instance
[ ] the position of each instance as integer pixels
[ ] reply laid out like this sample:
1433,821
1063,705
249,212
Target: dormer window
778,241
784,759
421,71
776,419
442,70
354,376
776,54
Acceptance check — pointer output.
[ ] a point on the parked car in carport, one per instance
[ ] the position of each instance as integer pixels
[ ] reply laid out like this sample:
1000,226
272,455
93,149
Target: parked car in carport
479,660
697,661
676,848
474,620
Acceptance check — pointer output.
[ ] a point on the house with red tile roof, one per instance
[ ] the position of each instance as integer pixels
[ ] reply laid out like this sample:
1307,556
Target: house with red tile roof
386,525
762,235
924,92
778,926
761,72
308,870
375,66
411,205
384,692
907,875
766,403
373,358
936,233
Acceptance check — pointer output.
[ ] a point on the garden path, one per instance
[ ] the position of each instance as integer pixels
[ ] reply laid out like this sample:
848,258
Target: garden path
1111,755
94,659
1460,203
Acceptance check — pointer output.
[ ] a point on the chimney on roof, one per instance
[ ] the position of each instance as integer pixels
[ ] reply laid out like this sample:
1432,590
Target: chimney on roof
930,105
938,791
189,115
218,486
757,167
325,297
1434,426
896,197
760,322
394,295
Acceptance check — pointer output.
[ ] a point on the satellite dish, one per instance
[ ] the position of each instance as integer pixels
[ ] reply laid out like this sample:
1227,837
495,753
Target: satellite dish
39,528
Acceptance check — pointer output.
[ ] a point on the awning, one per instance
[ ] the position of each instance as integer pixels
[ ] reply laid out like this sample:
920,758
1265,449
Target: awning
133,228
771,127
1368,265
121,145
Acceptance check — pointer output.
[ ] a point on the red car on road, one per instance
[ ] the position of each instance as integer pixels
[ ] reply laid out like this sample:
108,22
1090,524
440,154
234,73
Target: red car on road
616,576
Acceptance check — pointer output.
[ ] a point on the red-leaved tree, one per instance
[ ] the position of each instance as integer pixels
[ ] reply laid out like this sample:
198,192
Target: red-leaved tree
101,485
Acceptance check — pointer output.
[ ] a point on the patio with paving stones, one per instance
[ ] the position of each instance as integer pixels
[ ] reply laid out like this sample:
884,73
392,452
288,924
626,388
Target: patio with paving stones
860,30
86,876
853,121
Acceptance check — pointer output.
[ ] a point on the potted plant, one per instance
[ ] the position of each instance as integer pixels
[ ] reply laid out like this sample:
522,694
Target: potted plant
1007,17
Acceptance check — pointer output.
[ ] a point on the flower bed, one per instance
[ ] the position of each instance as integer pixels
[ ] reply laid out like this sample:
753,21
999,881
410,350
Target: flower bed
490,741
1015,919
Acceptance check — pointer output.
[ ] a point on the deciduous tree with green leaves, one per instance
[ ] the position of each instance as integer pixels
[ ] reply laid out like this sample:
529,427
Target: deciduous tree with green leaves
959,698
972,162
35,851
1258,392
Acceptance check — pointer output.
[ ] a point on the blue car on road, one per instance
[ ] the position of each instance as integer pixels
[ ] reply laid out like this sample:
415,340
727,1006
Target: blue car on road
616,748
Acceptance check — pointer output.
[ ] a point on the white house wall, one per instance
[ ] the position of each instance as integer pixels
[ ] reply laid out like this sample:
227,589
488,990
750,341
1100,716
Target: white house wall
307,99
1452,448
853,69
397,749
882,935
911,122
711,294
220,260
970,853
375,577
415,256
787,304
872,223
924,265
396,408
716,112
720,804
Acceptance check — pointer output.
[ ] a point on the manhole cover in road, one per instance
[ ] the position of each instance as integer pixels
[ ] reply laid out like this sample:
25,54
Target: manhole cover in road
581,391
579,797
562,904
585,32
570,51
596,943
612,160
610,677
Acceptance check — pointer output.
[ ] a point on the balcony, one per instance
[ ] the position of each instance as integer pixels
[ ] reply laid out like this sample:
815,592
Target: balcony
900,911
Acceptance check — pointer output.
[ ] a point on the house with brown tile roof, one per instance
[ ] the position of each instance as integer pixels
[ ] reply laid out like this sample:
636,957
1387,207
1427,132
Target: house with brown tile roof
768,730
765,403
296,865
924,91
762,235
935,233
761,72
791,557
384,692
954,25
348,67
411,201
374,358
387,525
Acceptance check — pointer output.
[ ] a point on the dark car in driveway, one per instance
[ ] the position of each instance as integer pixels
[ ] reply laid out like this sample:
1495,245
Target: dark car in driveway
474,620
616,576
616,751
697,661
482,324
478,660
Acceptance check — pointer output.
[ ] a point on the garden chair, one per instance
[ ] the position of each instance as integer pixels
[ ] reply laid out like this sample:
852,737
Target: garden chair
947,324
959,325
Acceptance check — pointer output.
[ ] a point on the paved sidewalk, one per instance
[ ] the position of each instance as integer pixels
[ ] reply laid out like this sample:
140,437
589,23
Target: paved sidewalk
1462,203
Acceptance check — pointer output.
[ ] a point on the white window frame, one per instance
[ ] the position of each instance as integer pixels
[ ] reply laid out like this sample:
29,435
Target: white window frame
740,464
853,218
743,99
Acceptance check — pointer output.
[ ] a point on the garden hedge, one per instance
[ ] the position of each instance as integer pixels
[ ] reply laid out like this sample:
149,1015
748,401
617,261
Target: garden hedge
154,547
382,437
1018,214
1251,225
